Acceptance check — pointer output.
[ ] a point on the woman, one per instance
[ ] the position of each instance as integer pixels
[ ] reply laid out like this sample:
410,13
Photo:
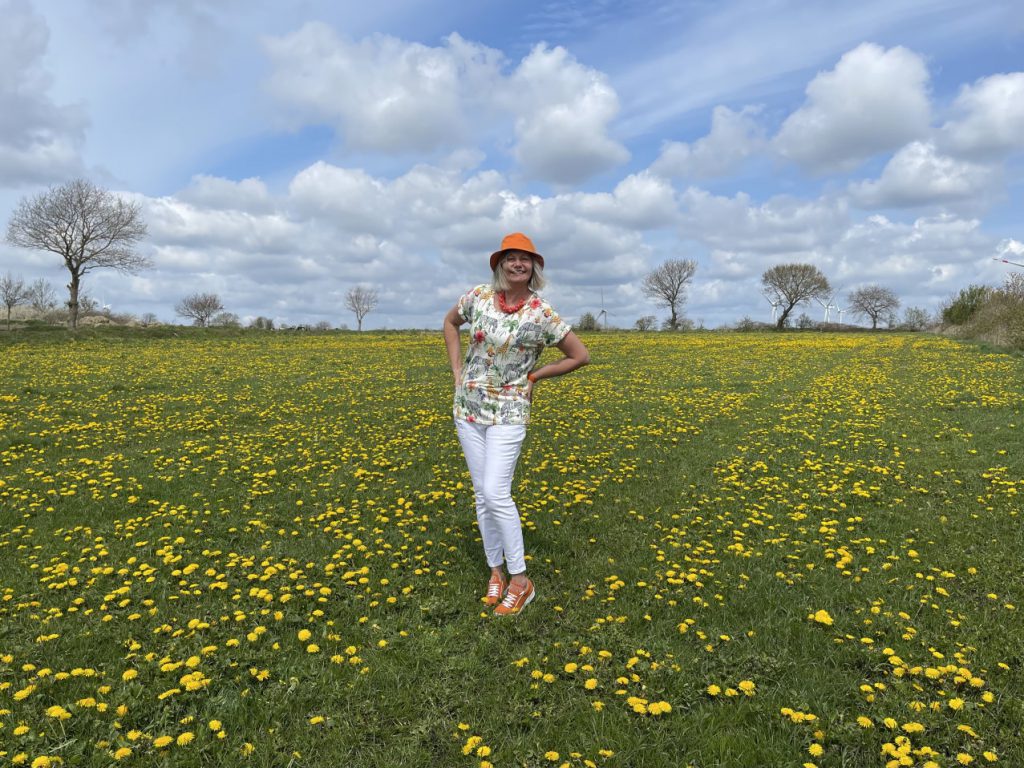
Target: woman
509,327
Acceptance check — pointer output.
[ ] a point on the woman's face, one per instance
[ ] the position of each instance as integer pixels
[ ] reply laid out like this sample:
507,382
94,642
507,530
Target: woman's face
518,268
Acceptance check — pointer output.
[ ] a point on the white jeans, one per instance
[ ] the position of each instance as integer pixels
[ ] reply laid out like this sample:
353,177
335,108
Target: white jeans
491,453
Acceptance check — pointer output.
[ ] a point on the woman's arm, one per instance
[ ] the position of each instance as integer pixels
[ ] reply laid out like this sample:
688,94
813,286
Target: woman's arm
452,342
576,356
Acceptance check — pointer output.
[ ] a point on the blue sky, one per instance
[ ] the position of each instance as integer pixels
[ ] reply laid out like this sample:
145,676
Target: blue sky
283,153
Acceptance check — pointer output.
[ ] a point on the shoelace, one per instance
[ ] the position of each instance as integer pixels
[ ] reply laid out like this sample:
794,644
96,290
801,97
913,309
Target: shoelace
493,589
510,598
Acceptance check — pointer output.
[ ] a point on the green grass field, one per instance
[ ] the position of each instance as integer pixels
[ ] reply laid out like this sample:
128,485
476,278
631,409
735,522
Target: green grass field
750,550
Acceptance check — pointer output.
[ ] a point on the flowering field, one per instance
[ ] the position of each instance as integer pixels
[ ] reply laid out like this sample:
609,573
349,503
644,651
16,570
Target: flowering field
259,549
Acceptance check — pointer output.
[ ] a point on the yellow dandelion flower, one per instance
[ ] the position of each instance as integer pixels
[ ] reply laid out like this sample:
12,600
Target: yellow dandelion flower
821,617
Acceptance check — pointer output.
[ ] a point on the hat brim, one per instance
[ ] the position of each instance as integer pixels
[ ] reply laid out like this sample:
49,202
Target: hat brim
496,256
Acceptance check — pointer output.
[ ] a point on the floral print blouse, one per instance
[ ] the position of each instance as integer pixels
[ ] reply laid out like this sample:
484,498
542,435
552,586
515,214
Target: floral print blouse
503,348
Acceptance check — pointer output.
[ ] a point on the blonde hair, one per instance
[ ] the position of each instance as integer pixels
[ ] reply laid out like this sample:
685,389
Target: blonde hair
537,279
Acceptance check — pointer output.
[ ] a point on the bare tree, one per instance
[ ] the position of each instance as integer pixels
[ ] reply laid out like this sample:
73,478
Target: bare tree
1013,286
874,302
645,323
362,301
87,305
667,286
791,284
41,296
89,227
200,307
12,293
262,323
226,320
916,319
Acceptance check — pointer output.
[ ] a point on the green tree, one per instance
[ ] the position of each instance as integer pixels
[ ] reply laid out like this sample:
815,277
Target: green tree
791,284
965,304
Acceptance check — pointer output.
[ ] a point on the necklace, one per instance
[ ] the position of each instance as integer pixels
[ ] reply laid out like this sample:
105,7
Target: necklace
510,309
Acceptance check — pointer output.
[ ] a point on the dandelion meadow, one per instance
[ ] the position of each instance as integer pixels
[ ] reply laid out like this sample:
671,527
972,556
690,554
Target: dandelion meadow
750,550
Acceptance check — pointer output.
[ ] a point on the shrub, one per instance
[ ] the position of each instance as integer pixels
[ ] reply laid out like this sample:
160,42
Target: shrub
587,322
962,307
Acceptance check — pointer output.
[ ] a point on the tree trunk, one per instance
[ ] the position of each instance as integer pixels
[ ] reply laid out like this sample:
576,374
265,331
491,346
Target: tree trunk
782,319
674,322
73,301
8,318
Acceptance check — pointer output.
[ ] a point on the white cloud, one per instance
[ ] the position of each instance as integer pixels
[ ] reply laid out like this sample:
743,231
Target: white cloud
990,117
734,136
382,93
389,95
783,225
1010,249
921,261
40,141
917,175
214,192
640,201
563,113
873,101
350,198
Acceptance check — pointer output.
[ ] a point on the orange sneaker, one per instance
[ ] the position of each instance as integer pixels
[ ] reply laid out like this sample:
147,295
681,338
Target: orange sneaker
516,599
495,590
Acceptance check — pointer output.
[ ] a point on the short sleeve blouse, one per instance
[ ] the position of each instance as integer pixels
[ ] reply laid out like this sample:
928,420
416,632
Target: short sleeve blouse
503,348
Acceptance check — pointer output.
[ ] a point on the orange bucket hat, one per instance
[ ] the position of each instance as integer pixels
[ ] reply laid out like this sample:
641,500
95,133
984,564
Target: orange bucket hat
517,241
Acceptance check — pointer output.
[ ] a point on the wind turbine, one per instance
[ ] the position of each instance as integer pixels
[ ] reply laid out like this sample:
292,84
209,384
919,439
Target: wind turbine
604,312
1007,261
827,304
840,310
775,306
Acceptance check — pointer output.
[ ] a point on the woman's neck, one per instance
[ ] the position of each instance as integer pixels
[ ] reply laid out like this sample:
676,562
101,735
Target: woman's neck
515,294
